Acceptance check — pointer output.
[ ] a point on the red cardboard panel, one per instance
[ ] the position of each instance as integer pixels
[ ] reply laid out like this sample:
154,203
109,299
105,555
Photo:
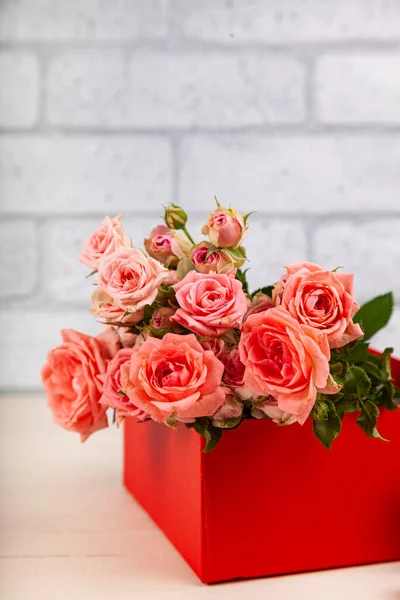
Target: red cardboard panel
270,500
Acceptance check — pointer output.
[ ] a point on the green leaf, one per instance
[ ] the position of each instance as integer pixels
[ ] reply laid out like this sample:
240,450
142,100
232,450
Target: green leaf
346,404
238,253
386,364
385,396
216,201
213,436
373,370
375,314
211,249
355,352
328,427
368,417
267,290
378,436
247,216
362,381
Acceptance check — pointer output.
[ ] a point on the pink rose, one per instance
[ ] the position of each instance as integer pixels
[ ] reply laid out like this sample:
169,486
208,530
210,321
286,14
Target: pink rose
127,338
104,241
216,261
72,381
131,279
175,376
286,360
167,246
234,369
321,299
234,375
217,346
210,304
104,307
225,227
231,409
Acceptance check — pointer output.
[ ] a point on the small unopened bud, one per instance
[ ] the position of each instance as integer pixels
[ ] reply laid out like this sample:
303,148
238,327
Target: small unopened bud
175,217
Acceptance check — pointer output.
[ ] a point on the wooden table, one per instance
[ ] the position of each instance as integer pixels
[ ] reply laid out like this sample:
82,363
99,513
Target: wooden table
69,530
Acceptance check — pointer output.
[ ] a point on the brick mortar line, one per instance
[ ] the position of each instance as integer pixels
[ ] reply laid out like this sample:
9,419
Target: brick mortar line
267,130
182,44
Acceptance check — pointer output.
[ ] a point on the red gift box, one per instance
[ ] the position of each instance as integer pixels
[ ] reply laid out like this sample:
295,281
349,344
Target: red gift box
270,500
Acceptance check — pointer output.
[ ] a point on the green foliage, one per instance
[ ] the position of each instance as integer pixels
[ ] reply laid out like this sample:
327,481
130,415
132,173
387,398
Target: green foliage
267,290
367,386
205,428
242,277
375,314
327,423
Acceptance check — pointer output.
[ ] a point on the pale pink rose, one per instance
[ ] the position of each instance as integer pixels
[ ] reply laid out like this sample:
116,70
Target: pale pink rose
210,304
271,409
167,245
72,379
161,318
175,376
104,241
131,279
321,299
231,409
225,227
104,307
215,262
259,303
286,360
234,375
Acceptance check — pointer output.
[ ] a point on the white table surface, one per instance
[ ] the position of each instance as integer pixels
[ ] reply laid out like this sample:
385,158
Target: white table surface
69,530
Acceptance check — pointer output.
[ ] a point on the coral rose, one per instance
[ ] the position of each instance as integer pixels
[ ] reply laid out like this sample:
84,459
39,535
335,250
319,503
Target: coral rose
175,376
72,381
322,299
114,384
225,227
131,279
167,246
286,360
210,304
104,241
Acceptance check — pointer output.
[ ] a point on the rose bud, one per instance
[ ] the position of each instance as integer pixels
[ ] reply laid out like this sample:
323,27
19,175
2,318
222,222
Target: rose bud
175,217
231,409
205,261
270,408
259,303
225,228
161,318
167,245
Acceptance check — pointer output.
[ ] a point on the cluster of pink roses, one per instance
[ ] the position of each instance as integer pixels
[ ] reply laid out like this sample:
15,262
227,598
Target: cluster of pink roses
185,340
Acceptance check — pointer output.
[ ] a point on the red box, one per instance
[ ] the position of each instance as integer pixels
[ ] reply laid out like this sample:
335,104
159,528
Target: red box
270,500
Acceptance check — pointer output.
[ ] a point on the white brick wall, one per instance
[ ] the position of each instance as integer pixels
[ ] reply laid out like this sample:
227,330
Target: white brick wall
287,107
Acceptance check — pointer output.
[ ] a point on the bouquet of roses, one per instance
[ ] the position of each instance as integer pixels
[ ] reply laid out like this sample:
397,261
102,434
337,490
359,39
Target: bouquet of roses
185,342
